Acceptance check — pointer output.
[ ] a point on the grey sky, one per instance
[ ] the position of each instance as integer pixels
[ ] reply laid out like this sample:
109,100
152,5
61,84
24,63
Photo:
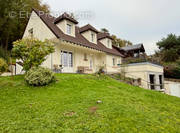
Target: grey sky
140,21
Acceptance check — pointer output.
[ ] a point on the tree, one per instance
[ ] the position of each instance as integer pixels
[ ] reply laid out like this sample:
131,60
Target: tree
14,16
170,48
120,42
31,52
104,30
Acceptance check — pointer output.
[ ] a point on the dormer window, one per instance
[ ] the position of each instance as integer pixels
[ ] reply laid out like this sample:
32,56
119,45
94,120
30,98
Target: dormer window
105,39
69,29
89,32
66,23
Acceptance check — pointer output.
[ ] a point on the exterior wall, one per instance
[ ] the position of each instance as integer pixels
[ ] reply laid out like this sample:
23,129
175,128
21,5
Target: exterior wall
63,26
78,56
142,70
109,63
105,42
172,88
40,31
87,35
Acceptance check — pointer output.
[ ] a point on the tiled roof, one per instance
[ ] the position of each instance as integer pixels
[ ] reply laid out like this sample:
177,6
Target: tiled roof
134,47
87,27
78,39
103,35
65,16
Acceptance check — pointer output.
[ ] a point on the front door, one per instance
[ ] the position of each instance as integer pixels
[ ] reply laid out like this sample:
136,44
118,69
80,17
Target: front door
67,61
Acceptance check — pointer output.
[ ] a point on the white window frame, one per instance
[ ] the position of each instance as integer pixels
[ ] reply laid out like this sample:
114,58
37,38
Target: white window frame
68,62
114,61
69,29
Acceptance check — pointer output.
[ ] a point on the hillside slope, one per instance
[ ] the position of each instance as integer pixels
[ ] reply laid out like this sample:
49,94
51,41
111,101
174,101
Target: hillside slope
69,105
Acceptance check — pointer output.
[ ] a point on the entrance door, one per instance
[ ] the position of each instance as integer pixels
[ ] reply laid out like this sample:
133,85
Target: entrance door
67,61
151,78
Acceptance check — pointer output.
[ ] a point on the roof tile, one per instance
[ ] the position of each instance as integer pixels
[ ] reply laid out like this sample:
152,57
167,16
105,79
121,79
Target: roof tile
78,39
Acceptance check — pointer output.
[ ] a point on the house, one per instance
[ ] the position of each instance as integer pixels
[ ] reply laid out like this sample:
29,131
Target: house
79,49
134,50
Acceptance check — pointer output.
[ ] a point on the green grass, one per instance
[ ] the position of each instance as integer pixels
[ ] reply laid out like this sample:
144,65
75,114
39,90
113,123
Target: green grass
69,106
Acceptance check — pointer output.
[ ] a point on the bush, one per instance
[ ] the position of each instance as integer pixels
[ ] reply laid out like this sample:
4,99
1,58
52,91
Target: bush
3,66
172,70
39,76
32,52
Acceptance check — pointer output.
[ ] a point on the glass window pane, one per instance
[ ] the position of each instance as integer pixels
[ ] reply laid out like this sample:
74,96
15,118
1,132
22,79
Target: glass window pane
69,27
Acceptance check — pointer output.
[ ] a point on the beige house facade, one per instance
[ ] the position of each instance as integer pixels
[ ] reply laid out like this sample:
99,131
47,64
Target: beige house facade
82,49
71,55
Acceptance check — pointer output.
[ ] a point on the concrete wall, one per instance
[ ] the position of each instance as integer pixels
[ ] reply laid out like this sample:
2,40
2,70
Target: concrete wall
172,88
143,70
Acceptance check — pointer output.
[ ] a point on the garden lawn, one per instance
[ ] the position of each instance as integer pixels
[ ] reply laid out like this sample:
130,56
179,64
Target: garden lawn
69,106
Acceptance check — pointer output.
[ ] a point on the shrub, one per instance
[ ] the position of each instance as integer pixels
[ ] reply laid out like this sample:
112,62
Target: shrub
32,52
101,70
172,70
3,66
39,76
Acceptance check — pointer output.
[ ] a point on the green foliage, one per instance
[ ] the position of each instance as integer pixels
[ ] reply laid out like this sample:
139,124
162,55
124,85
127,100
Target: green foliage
39,76
14,16
172,70
3,66
120,42
101,70
32,52
104,30
4,54
170,48
65,106
169,55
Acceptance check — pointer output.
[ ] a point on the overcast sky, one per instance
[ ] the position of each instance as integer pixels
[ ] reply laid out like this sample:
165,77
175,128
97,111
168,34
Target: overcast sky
140,21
